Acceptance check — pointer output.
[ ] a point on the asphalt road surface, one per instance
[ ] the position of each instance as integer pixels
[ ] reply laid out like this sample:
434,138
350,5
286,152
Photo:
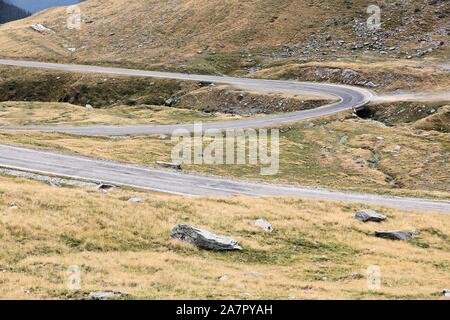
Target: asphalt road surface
349,98
121,174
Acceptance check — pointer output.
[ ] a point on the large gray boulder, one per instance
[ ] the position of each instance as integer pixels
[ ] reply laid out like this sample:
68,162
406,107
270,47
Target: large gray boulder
395,235
367,215
203,239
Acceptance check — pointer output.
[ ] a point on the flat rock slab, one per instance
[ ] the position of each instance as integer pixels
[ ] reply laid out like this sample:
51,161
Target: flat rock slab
394,235
367,215
106,295
203,239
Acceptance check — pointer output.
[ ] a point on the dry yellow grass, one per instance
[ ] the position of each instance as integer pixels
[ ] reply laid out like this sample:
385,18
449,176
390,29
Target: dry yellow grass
48,113
317,251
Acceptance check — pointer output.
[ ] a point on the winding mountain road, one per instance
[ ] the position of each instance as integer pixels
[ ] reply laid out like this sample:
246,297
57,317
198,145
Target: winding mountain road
77,167
349,98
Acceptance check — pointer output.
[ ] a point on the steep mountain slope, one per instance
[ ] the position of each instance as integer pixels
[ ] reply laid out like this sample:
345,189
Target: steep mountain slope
229,35
9,12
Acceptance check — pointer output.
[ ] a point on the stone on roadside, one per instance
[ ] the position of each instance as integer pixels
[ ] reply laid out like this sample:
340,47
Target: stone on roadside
55,184
105,187
263,224
106,295
170,165
164,137
38,27
366,215
395,235
203,239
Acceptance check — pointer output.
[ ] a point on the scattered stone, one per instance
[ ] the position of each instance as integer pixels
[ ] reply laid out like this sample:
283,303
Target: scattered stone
72,49
40,28
223,278
164,137
344,140
55,184
374,160
380,138
397,148
171,102
13,206
136,200
89,107
446,293
105,187
204,239
366,215
395,235
106,295
357,275
171,165
263,224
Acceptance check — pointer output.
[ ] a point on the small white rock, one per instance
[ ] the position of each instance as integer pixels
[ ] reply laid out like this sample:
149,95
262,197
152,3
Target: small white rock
223,278
263,224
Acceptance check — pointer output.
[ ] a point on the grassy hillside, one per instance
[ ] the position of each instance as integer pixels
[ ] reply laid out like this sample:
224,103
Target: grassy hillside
222,36
318,250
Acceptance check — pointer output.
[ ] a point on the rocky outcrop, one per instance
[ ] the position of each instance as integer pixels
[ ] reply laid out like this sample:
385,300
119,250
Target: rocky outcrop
203,239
